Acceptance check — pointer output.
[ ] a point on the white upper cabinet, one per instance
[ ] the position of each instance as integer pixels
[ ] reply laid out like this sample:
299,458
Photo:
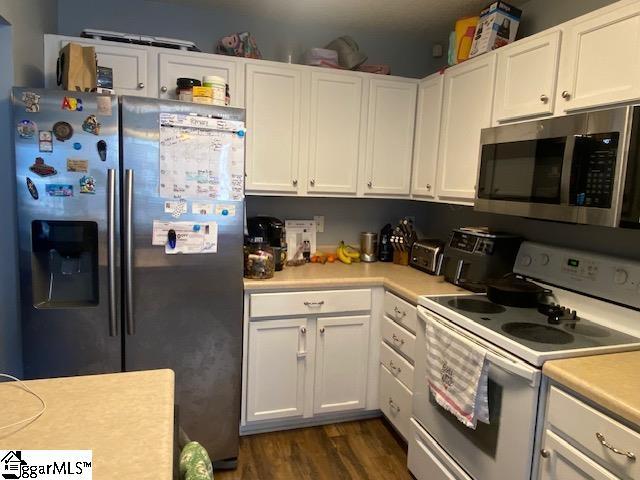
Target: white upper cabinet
600,62
390,129
425,155
276,369
129,63
526,78
172,66
274,133
342,353
466,110
335,133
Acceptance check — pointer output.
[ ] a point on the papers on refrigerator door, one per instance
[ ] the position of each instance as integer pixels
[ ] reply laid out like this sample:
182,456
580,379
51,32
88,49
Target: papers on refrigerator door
190,237
201,158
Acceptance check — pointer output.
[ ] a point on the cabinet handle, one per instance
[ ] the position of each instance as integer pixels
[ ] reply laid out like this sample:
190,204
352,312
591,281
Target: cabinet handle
603,441
141,85
294,182
322,330
544,98
397,340
393,406
163,89
312,182
400,313
428,186
303,330
544,453
566,95
393,367
369,184
314,304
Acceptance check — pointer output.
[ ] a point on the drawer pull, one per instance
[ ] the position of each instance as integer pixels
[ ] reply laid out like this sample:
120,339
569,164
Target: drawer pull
399,313
393,406
544,453
303,330
603,441
399,341
393,367
314,304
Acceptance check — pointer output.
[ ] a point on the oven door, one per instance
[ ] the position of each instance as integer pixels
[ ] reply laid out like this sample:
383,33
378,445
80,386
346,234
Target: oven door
504,447
567,169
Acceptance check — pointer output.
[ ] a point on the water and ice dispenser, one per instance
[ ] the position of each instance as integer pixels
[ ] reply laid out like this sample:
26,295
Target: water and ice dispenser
64,263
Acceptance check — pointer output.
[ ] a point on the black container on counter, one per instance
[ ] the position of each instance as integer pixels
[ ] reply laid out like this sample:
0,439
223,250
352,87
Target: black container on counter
385,249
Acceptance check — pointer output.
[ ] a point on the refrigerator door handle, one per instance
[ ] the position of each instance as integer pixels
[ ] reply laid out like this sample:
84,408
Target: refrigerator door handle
111,251
128,250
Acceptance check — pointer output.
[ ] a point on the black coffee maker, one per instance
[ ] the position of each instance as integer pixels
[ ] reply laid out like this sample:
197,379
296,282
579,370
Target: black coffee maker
269,230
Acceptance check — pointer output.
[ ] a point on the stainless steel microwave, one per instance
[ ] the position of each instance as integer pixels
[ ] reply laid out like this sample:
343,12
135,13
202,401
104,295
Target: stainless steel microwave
582,168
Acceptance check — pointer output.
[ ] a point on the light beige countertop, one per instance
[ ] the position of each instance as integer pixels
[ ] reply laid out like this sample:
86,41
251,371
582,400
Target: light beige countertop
125,418
612,381
406,282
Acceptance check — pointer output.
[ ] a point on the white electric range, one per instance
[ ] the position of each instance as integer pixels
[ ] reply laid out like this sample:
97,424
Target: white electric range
593,308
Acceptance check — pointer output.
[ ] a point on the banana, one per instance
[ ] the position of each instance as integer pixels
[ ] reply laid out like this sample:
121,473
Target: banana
342,254
352,252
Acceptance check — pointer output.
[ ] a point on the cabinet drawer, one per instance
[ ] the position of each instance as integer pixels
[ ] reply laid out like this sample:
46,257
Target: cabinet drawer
309,303
402,312
397,365
395,401
427,460
581,423
399,338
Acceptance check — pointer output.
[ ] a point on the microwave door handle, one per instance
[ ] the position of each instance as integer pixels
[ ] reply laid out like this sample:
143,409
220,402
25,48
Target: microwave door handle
567,163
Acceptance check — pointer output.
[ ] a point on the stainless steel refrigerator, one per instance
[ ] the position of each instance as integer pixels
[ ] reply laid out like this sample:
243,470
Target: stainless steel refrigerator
97,176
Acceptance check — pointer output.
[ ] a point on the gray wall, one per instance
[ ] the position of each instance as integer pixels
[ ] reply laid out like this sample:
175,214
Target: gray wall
542,14
408,55
10,351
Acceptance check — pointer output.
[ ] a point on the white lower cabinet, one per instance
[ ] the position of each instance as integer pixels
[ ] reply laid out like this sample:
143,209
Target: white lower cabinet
342,352
277,368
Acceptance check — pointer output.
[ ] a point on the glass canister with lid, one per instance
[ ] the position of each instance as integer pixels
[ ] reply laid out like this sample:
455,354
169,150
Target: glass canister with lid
259,260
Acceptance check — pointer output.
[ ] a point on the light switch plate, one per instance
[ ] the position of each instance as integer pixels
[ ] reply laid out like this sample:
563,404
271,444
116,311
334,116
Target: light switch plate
319,219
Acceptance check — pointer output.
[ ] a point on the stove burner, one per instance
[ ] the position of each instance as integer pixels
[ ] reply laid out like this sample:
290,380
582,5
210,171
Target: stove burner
537,333
557,313
587,330
476,306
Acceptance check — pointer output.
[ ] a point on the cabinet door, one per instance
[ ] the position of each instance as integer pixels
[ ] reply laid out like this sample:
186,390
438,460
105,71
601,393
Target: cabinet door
277,367
564,462
335,132
526,78
428,116
273,145
342,347
468,97
600,61
129,63
172,66
391,123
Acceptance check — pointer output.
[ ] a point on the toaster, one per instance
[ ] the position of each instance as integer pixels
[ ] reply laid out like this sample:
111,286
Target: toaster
426,255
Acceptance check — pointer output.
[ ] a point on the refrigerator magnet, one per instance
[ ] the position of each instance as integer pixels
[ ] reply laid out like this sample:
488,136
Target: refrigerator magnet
41,169
91,125
77,165
26,128
104,106
88,184
102,150
175,208
226,210
62,131
77,146
198,208
73,104
59,190
33,191
45,141
31,102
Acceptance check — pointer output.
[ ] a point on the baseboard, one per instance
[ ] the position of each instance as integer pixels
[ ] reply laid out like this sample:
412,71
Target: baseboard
290,424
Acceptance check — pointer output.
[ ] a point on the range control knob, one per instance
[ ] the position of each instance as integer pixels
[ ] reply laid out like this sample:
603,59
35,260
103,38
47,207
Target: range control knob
620,276
525,260
543,259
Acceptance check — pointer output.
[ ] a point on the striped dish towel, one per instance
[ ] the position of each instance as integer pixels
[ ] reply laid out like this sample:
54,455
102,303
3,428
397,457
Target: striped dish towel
457,374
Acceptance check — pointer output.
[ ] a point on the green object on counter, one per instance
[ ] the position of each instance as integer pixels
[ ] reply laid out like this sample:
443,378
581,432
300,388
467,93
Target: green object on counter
195,463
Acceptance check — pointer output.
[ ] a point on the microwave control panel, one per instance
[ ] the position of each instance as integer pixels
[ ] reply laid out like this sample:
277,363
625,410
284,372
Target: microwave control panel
593,170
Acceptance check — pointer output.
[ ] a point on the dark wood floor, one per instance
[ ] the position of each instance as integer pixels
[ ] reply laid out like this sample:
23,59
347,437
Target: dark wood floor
354,450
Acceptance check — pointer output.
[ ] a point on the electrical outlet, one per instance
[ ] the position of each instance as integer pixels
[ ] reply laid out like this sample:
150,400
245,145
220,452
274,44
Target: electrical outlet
319,219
